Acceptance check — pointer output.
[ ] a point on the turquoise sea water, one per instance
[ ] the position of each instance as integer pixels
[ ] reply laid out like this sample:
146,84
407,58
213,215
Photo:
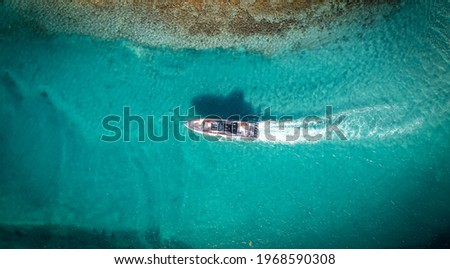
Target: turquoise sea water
387,186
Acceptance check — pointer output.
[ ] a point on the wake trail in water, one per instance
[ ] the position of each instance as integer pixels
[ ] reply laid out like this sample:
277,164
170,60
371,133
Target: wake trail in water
365,123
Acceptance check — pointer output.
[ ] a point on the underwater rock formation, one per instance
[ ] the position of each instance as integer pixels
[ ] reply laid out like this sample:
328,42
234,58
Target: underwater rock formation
249,24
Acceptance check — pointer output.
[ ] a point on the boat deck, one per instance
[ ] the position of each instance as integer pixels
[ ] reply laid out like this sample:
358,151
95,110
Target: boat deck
217,127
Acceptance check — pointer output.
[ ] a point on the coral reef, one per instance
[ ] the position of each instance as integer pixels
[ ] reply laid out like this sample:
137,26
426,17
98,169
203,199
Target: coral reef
251,24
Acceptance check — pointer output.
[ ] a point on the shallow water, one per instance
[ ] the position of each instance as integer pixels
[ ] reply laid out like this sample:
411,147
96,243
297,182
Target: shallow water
387,186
